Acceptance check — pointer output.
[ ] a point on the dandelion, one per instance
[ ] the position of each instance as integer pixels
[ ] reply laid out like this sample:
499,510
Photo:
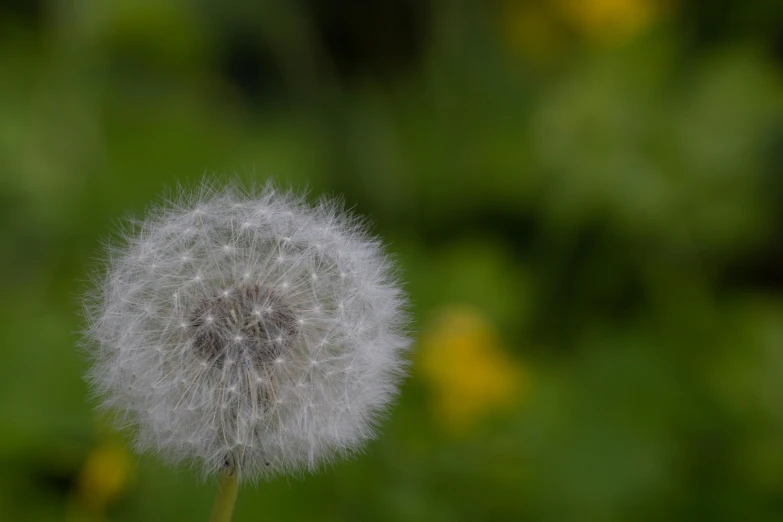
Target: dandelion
247,333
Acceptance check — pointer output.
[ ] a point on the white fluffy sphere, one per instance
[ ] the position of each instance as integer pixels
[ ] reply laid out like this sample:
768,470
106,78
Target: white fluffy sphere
247,331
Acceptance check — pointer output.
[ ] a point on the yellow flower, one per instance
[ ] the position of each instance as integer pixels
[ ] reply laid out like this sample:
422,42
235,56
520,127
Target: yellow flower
104,477
470,373
541,30
610,21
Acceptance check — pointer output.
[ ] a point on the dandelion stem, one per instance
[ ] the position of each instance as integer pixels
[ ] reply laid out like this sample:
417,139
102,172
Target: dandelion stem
225,498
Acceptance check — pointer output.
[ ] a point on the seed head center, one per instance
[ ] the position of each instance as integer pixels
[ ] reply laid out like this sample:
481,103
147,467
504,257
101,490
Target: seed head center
248,324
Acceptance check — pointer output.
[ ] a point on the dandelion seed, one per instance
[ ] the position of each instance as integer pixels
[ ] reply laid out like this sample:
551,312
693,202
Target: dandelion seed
221,373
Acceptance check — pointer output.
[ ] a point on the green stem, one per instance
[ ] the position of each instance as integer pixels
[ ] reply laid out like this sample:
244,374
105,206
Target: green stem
225,498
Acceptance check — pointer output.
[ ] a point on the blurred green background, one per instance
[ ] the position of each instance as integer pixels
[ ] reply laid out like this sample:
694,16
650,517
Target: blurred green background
585,197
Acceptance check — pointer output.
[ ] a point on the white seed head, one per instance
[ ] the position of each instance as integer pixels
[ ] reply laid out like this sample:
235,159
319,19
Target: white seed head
247,330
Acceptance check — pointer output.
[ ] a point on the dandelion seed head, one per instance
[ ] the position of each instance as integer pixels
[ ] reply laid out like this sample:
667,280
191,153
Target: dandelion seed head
277,358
